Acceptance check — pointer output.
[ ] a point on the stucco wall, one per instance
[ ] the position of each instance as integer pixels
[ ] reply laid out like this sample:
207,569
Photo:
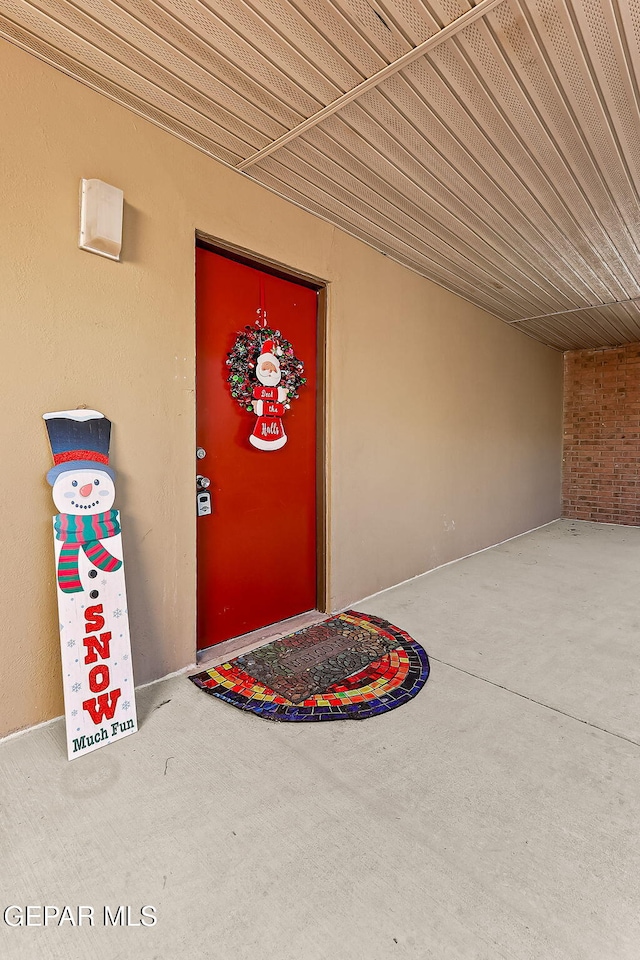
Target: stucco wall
445,425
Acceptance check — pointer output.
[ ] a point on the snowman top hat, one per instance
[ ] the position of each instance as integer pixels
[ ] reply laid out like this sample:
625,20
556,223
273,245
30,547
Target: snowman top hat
79,441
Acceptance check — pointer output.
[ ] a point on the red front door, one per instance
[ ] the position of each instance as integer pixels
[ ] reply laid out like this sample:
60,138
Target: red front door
257,549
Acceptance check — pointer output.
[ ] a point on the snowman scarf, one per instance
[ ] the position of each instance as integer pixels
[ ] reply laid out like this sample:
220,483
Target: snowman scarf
85,532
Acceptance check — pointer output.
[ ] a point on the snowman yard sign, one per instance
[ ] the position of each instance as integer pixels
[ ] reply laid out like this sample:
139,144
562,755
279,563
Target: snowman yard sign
92,601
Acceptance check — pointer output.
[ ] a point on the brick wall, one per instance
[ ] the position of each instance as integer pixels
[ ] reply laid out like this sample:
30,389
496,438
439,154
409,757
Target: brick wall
601,479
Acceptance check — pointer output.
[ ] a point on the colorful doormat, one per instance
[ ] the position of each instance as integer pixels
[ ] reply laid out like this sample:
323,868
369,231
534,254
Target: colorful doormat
349,667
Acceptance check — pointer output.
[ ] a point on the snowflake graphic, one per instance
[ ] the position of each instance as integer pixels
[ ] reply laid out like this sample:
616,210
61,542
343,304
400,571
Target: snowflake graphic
117,613
126,656
103,582
76,687
74,713
61,625
71,643
126,705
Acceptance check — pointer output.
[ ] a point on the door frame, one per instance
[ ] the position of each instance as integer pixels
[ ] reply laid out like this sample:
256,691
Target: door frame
259,262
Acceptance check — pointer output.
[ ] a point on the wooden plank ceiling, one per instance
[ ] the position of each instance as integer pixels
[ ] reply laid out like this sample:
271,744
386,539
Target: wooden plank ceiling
491,147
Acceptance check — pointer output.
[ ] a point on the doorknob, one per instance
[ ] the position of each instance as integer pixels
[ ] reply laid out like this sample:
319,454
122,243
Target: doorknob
203,482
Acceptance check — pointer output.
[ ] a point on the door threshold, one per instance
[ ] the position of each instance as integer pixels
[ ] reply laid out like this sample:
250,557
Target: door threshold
236,646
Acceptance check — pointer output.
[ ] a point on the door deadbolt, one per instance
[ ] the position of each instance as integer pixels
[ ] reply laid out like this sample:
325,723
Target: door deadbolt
201,453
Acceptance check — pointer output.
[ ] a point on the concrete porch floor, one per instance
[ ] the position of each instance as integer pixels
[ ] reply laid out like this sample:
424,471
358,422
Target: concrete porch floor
495,816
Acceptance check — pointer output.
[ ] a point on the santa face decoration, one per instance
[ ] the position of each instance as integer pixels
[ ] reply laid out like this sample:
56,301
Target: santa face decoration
268,370
92,598
80,492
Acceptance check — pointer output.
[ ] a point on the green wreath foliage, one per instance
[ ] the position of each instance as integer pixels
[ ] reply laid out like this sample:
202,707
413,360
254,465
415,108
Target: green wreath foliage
241,361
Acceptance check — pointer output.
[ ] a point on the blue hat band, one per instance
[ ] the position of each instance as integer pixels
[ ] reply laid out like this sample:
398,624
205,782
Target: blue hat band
74,465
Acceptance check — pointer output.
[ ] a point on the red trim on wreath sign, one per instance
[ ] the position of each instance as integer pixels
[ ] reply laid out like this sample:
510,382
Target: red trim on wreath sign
70,455
265,393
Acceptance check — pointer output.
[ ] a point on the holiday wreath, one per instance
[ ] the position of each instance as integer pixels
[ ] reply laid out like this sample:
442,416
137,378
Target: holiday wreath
242,360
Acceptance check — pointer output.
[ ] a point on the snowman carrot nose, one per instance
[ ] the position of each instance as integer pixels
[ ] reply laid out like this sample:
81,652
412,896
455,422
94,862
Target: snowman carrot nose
86,490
